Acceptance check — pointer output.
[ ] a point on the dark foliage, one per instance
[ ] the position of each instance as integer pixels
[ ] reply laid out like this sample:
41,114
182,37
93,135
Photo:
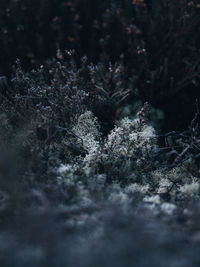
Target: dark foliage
39,108
156,43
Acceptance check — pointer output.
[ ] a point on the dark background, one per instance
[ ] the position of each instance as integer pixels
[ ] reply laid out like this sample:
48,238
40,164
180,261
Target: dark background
156,42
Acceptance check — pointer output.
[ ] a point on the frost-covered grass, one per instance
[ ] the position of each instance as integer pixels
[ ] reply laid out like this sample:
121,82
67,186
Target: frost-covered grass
125,160
73,181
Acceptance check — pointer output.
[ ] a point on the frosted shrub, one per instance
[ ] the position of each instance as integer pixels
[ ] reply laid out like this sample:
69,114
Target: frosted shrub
127,149
152,203
121,166
132,140
87,130
136,188
178,183
67,174
124,157
128,146
168,208
190,189
164,186
70,177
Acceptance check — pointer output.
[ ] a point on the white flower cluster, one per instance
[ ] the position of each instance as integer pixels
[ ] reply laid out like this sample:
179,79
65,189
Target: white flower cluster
87,130
69,176
132,140
129,140
122,157
123,150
